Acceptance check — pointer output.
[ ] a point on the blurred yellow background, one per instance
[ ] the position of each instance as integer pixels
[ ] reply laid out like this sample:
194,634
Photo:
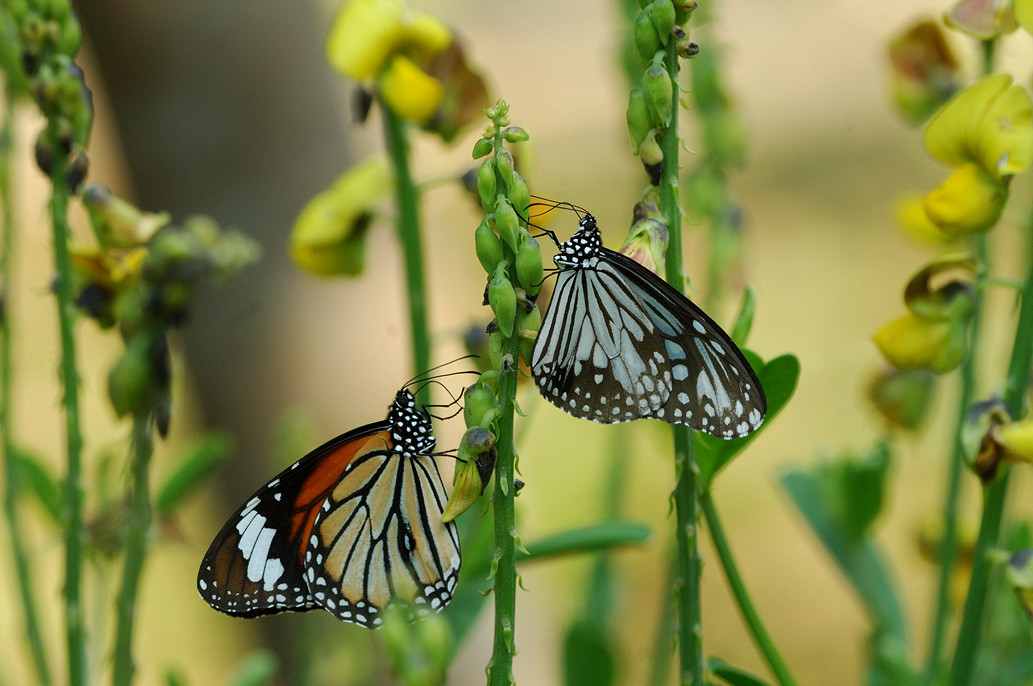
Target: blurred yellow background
827,157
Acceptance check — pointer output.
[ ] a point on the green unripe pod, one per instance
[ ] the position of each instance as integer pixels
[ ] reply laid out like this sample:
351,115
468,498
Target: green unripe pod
131,379
482,147
639,119
480,406
507,223
659,92
504,162
647,42
529,269
515,134
502,299
519,195
496,349
662,14
486,184
652,157
488,246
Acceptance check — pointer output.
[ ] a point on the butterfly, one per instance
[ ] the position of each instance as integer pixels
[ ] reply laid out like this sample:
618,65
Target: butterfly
619,343
352,527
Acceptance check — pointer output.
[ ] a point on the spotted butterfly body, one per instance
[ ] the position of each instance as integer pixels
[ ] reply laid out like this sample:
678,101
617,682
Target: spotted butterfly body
619,343
352,527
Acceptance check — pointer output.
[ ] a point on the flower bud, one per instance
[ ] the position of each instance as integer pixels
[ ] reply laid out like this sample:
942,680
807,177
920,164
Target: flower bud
131,379
529,269
487,184
982,20
528,324
687,49
658,91
639,121
504,162
519,195
488,247
647,42
1017,439
515,134
482,147
507,223
924,70
914,342
502,299
652,157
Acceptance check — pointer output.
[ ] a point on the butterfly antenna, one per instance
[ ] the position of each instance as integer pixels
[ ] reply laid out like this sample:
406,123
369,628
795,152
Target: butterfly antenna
427,375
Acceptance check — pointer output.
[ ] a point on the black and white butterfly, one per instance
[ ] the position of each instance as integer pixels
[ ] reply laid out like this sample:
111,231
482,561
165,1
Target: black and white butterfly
619,343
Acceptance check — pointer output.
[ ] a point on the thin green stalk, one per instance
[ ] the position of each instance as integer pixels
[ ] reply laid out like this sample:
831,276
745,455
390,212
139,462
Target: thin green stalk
949,542
500,669
690,624
75,631
995,493
18,549
409,233
742,597
660,659
137,532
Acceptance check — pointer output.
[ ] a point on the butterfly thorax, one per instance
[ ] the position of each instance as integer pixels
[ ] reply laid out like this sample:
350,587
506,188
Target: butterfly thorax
582,246
411,429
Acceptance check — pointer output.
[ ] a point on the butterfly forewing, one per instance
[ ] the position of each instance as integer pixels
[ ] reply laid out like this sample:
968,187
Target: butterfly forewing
352,527
619,343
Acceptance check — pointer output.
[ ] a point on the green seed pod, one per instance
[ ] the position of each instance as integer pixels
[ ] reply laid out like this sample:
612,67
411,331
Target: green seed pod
482,147
662,14
515,134
659,92
488,246
502,299
467,486
480,406
687,49
652,158
519,195
647,42
504,162
131,379
639,119
529,268
486,184
529,324
507,223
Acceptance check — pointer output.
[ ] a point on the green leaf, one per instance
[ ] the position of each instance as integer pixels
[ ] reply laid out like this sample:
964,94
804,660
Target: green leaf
587,540
860,561
732,675
199,463
744,322
854,489
587,655
30,477
779,378
174,677
256,669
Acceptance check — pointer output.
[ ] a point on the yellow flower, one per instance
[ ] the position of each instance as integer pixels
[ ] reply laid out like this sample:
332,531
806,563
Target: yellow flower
969,200
989,123
409,91
1024,14
914,342
1017,439
328,237
911,215
363,35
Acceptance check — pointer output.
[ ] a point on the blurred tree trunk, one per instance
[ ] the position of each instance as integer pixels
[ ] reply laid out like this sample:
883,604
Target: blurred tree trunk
227,109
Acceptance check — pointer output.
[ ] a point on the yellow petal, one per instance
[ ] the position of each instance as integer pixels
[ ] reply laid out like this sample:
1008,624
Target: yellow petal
913,342
409,91
363,36
970,200
989,123
910,213
1024,14
1017,439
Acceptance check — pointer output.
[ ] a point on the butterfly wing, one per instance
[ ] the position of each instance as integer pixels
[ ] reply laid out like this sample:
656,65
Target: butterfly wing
379,538
714,389
256,564
597,355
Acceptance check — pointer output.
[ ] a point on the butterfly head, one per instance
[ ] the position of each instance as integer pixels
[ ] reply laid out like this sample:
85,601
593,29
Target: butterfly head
411,429
582,246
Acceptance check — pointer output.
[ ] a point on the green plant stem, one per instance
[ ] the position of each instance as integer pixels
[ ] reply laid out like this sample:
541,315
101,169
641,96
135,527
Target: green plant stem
994,493
500,669
137,532
409,232
75,632
742,597
690,627
949,541
18,550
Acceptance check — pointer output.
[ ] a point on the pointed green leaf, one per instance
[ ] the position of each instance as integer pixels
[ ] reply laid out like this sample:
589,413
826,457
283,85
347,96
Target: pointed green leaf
30,477
744,322
733,676
200,462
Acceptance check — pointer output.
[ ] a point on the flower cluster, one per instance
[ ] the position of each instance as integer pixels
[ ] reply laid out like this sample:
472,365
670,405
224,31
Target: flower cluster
415,62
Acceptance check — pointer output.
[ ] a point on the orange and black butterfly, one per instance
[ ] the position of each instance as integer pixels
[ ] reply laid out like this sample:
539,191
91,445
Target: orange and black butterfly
352,527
